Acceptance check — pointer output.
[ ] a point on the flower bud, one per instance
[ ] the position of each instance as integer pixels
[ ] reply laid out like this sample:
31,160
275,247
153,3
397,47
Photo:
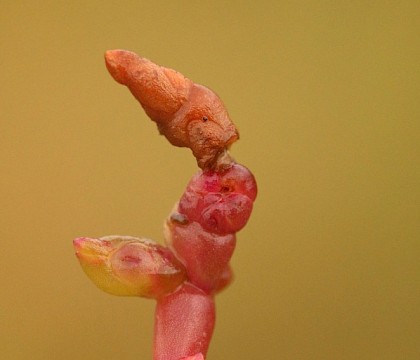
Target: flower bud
205,255
221,201
129,266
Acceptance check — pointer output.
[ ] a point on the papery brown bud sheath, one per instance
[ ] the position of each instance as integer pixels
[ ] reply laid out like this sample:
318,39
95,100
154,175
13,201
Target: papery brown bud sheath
188,114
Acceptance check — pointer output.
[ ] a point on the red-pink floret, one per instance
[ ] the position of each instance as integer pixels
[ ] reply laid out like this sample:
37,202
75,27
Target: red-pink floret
220,201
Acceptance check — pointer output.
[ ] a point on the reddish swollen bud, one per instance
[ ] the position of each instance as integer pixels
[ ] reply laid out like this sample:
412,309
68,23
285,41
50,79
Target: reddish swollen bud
225,214
220,201
205,255
184,323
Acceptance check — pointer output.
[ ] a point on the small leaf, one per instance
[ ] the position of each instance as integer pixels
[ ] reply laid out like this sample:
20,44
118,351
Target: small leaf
129,266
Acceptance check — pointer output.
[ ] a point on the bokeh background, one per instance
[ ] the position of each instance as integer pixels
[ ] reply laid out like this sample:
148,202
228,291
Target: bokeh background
326,97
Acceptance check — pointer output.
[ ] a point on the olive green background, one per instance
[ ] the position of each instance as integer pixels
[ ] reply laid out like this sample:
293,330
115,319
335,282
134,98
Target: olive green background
326,97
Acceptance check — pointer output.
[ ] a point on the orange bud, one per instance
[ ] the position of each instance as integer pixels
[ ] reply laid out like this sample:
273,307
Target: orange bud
188,114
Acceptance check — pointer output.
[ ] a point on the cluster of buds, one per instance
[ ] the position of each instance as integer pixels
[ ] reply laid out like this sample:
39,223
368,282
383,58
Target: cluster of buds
184,275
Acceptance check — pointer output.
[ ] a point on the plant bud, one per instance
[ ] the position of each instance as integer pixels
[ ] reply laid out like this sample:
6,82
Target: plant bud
205,255
129,266
187,114
220,201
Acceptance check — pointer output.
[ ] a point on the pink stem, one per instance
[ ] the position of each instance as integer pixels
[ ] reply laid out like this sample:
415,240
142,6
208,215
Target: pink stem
184,323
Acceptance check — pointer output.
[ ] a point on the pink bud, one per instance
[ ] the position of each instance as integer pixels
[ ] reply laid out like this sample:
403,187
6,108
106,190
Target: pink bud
220,201
205,255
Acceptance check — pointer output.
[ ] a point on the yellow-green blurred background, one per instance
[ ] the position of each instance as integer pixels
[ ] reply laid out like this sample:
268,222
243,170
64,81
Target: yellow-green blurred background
326,97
